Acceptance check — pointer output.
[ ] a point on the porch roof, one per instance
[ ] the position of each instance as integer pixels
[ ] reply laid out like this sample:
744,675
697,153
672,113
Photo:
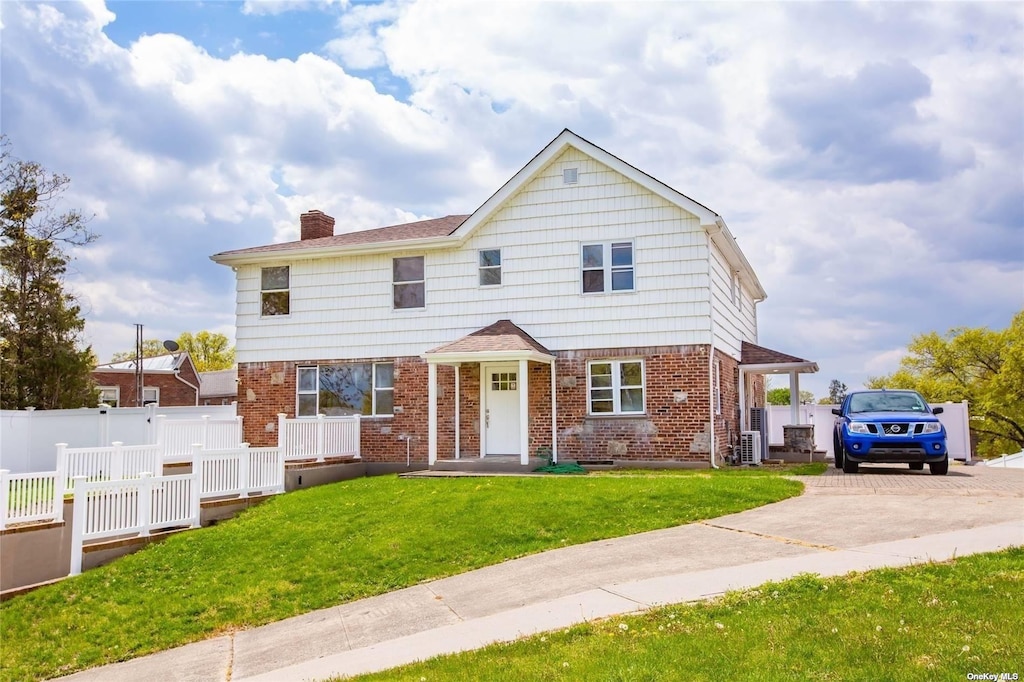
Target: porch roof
754,358
502,340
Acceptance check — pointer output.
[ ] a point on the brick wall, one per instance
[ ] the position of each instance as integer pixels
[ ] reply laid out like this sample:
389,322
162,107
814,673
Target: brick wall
675,427
172,391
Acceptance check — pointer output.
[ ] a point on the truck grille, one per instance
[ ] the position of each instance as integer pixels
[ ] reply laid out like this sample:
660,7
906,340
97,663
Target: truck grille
893,429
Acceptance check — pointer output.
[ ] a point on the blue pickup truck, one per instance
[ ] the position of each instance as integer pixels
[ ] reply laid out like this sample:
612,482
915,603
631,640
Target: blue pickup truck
889,427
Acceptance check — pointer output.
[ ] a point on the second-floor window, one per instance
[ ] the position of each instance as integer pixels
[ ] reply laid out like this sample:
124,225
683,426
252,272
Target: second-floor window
490,267
408,285
607,267
274,294
344,389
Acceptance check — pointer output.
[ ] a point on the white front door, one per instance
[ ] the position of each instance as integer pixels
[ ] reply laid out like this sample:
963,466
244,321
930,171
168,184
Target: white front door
501,409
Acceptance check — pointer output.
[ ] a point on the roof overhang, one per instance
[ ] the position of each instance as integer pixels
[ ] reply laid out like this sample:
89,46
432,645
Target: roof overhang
781,368
486,356
420,244
111,370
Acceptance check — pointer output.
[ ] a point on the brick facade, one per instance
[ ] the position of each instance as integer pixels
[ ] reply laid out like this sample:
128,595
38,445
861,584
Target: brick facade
674,428
174,391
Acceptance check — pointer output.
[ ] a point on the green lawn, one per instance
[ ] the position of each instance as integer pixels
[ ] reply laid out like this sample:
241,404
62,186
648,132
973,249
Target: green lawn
929,622
322,546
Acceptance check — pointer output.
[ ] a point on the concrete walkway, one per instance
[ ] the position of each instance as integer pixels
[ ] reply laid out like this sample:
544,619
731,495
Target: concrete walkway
881,517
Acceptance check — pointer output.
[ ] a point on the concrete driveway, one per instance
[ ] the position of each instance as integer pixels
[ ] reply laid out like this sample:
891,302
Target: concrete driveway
884,516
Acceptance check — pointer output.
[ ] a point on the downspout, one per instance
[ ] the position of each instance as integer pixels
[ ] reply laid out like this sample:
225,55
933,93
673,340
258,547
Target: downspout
177,375
711,348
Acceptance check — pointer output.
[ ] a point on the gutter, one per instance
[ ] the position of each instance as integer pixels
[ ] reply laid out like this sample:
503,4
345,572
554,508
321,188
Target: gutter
177,375
711,347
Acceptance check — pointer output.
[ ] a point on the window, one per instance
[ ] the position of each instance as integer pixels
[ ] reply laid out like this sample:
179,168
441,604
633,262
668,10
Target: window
718,387
607,267
490,267
570,176
616,386
407,281
503,381
110,395
150,395
345,389
274,298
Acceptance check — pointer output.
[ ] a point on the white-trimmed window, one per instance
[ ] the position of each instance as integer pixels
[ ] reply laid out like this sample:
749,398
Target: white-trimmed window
718,387
408,284
275,297
150,395
110,395
606,266
615,386
490,267
344,389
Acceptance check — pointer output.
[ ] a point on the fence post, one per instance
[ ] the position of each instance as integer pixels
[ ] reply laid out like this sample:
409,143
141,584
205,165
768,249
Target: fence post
62,461
196,504
144,508
279,470
104,427
161,423
239,433
77,525
206,430
320,437
198,465
59,485
243,471
359,436
117,461
4,473
281,417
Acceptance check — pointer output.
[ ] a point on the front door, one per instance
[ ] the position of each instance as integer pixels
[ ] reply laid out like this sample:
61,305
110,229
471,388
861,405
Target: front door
501,409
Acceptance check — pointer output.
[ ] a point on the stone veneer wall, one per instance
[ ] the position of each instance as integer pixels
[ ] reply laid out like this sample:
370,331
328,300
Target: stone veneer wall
675,427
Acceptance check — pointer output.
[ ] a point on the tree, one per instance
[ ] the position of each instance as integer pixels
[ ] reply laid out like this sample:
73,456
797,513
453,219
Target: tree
209,351
42,364
979,365
780,396
836,393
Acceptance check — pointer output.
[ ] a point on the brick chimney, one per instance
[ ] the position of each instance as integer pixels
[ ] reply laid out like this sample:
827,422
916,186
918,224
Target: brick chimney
315,224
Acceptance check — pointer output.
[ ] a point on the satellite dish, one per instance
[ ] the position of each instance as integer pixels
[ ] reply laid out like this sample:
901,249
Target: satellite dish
171,346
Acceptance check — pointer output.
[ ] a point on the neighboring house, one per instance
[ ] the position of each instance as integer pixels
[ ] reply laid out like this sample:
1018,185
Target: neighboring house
585,307
219,387
168,380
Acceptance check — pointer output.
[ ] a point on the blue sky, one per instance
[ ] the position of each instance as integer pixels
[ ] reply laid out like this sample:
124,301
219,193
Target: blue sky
868,156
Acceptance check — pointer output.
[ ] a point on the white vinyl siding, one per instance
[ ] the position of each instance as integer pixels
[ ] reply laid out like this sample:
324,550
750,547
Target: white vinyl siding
734,308
341,307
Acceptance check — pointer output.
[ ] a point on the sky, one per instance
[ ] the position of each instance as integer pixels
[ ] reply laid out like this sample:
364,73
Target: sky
869,157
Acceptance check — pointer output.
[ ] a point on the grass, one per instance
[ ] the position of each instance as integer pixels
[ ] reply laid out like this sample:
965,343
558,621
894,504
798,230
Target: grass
928,622
323,546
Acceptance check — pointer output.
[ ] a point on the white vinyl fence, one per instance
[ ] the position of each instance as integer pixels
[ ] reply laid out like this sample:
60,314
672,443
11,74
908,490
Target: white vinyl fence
954,417
314,438
27,437
119,461
239,471
106,509
31,497
177,437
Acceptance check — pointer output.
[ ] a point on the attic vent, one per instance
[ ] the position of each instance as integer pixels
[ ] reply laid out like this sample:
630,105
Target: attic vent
569,176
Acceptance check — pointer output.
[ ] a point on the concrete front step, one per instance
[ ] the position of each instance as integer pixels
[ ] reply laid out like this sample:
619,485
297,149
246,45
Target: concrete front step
488,464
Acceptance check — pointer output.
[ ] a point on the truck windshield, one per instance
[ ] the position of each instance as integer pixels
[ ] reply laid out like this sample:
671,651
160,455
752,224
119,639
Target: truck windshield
887,402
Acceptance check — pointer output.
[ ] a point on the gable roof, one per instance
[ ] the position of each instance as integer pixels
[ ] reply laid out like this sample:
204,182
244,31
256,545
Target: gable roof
168,364
503,335
221,382
753,356
380,240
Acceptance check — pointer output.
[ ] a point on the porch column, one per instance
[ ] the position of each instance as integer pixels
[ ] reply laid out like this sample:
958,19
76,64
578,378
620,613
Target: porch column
458,400
432,412
524,413
794,398
554,417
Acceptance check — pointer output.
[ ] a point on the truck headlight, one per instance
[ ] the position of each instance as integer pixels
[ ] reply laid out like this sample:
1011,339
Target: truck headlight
858,427
931,427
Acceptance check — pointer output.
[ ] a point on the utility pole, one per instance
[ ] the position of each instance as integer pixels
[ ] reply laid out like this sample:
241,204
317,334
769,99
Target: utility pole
139,377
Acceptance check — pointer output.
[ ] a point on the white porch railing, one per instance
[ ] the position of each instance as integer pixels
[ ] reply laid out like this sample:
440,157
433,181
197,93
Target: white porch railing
31,497
309,438
105,509
109,463
239,471
176,437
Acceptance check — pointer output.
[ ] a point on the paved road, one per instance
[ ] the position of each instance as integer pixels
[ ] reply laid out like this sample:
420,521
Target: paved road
884,516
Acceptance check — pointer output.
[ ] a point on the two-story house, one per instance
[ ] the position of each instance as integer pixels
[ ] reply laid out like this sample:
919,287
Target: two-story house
585,307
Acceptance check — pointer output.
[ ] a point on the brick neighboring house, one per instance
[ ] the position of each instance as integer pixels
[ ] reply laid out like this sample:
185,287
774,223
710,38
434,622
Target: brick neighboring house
585,307
169,380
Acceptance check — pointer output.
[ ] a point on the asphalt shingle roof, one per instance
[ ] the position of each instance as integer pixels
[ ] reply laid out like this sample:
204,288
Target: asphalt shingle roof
503,335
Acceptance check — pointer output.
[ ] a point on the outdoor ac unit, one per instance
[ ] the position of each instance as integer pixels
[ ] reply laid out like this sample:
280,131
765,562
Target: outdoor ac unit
750,447
759,417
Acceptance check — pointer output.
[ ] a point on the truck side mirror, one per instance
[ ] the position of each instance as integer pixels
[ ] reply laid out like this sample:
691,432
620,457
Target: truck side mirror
837,412
937,410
